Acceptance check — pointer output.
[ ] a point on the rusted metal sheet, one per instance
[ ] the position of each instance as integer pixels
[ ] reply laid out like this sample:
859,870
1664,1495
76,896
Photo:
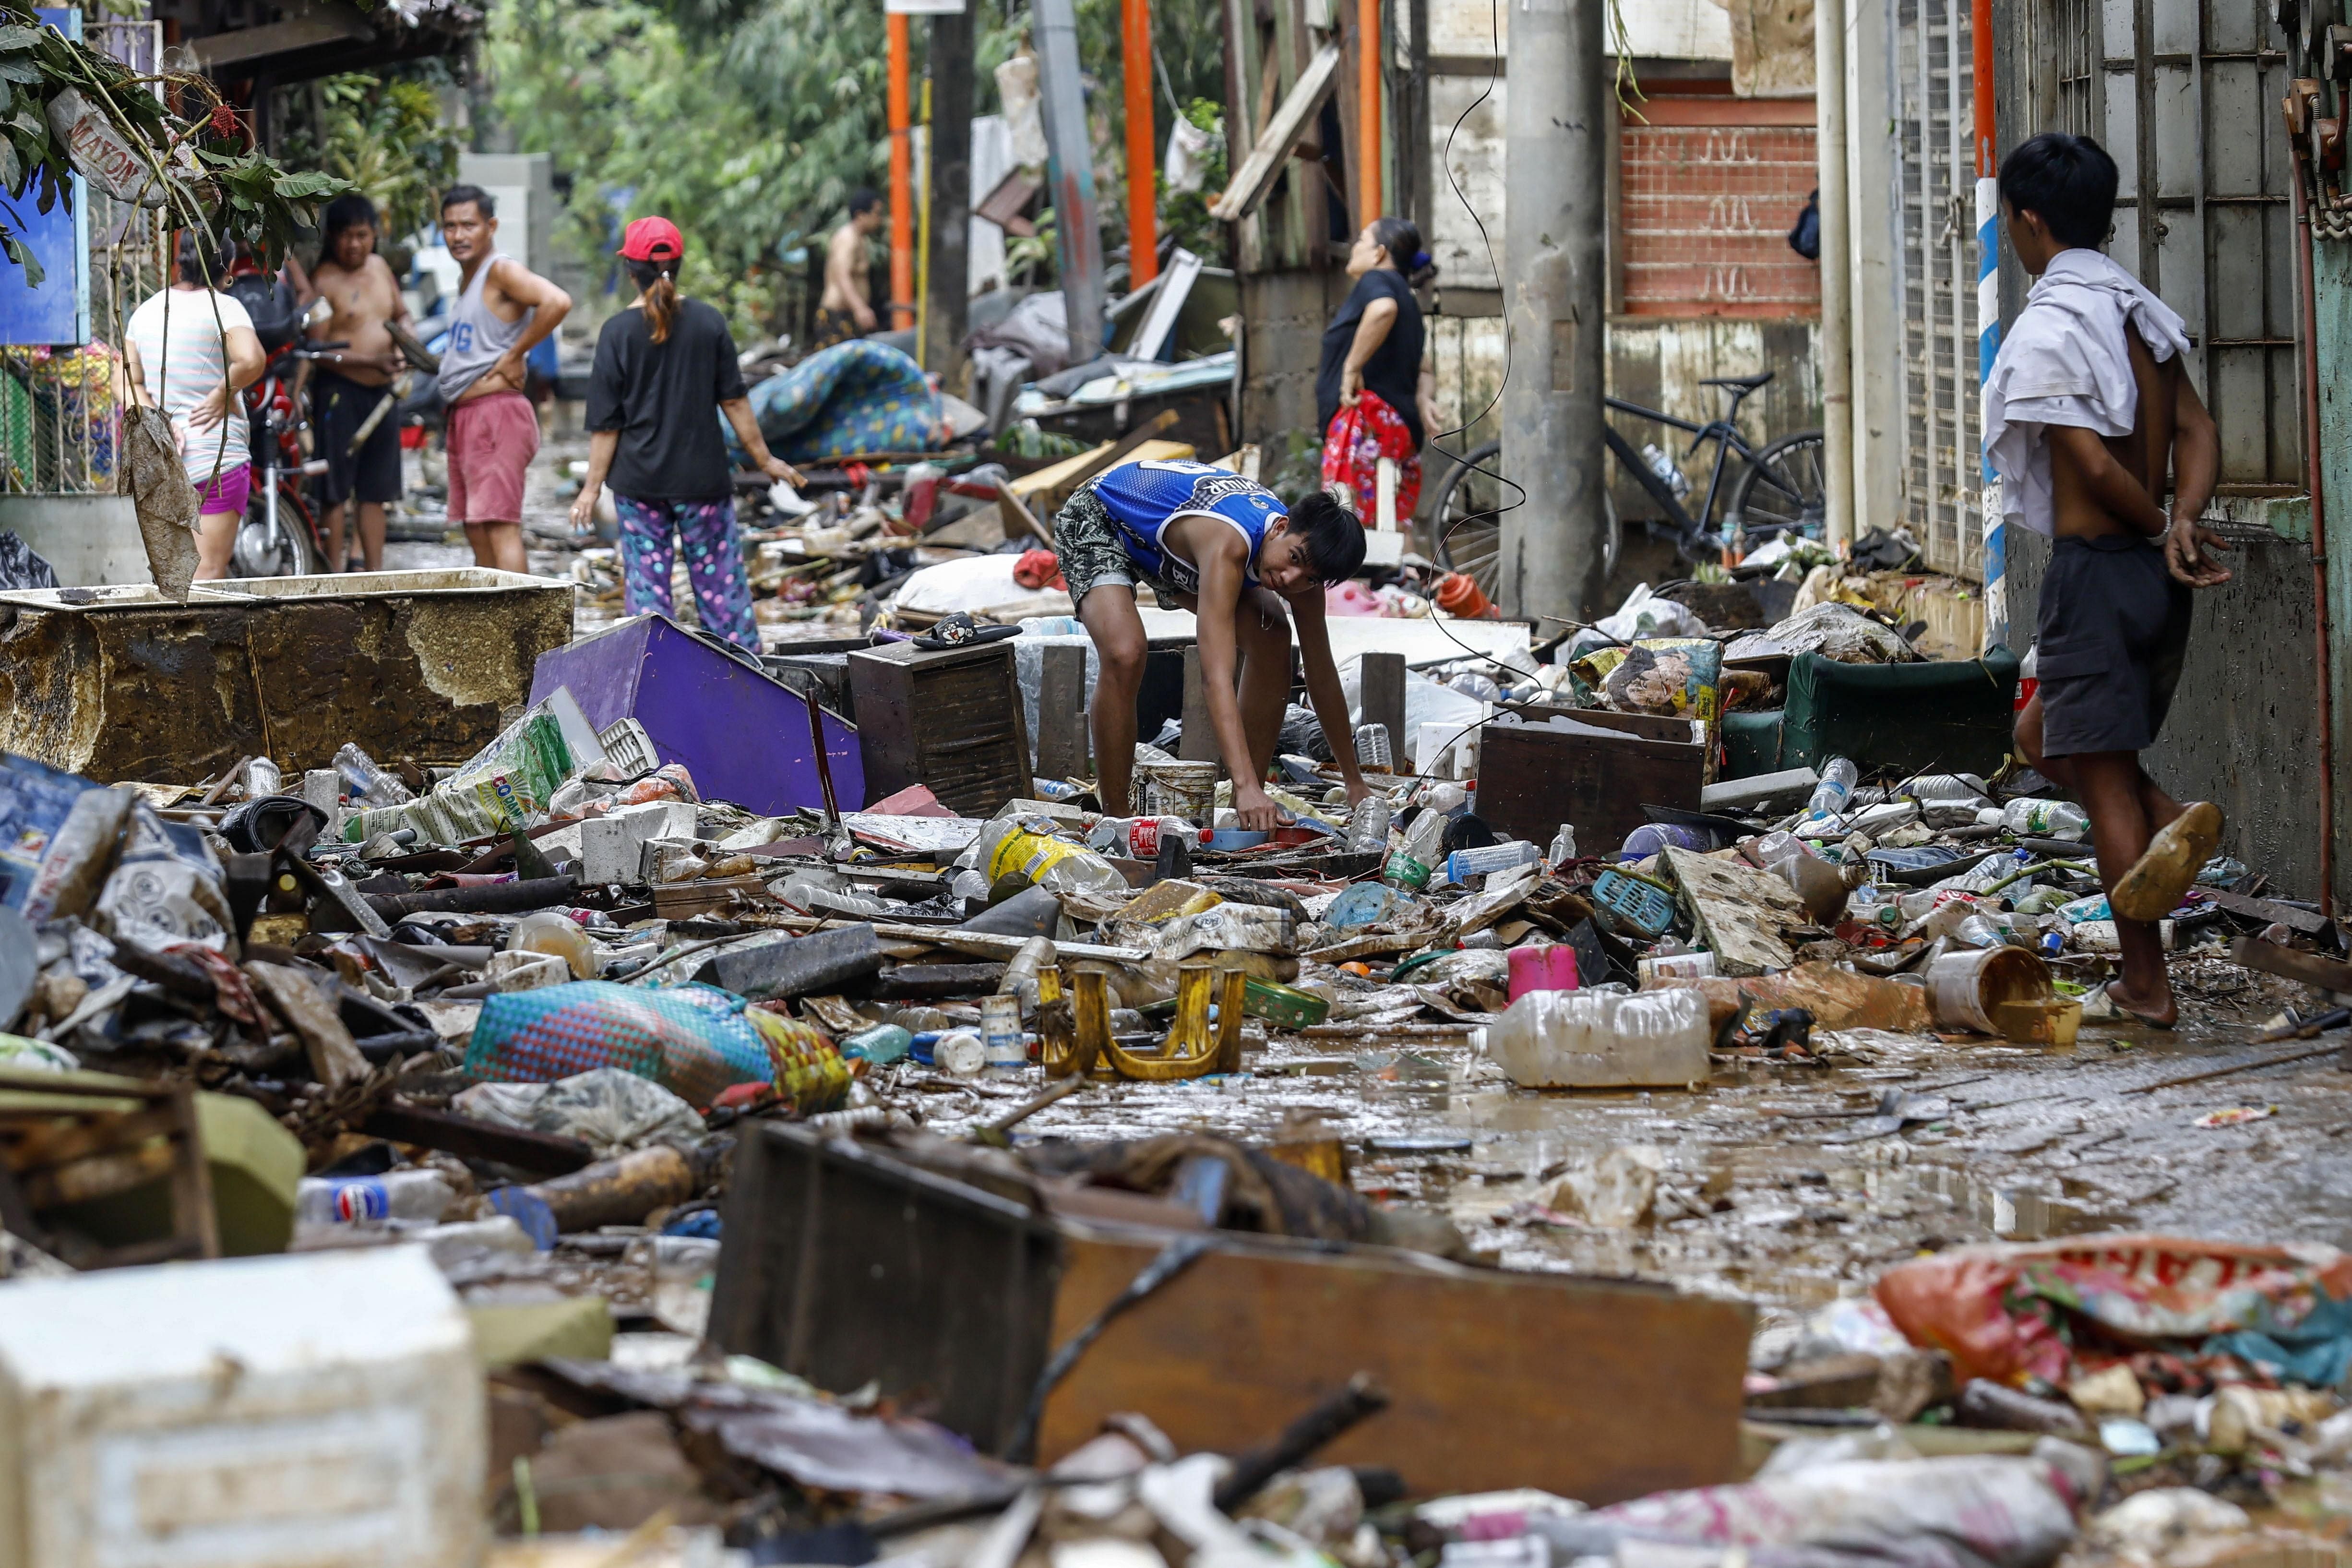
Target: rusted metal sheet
122,684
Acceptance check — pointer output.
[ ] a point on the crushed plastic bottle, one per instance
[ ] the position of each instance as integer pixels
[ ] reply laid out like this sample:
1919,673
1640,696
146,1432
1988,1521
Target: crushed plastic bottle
1599,1038
366,783
1368,825
395,1194
1838,779
1410,863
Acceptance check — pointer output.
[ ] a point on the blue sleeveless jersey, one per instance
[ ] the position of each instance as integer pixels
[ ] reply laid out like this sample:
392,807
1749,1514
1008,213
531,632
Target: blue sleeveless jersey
1143,497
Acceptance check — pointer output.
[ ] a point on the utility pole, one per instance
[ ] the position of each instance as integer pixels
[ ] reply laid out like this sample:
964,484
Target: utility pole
1556,167
1142,151
1837,275
1070,175
950,204
902,178
1369,150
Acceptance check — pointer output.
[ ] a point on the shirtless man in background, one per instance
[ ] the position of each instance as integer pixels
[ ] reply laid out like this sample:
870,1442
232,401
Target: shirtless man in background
363,295
844,311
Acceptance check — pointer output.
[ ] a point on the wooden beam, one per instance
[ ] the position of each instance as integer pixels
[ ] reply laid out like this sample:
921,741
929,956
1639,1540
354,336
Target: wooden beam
1255,178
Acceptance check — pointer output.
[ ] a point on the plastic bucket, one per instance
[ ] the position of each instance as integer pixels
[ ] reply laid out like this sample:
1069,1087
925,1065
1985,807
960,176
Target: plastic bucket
1966,989
1187,790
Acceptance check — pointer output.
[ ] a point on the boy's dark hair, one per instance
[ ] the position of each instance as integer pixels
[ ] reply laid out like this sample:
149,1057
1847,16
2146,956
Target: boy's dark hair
2068,181
1335,539
862,199
458,195
347,211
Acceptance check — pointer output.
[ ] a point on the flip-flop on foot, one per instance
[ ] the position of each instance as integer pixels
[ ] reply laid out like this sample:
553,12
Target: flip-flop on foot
2100,1007
2151,889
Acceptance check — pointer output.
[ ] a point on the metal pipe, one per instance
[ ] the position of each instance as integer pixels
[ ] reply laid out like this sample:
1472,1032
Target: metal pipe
2313,476
1837,281
902,180
1368,117
1070,175
1142,163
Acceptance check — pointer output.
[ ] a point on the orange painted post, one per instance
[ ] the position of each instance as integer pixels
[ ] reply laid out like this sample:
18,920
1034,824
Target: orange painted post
1368,111
1142,158
902,183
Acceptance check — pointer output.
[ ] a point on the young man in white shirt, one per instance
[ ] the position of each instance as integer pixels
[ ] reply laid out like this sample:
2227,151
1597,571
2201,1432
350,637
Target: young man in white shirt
2088,413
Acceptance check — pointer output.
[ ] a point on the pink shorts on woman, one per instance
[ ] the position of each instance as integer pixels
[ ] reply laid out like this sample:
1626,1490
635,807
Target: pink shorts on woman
227,493
491,440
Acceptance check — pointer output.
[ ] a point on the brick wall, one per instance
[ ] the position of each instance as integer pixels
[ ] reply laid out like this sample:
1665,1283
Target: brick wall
1711,186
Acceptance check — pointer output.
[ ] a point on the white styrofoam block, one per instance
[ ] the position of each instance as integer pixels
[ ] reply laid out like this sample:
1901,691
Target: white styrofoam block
609,850
252,1412
659,818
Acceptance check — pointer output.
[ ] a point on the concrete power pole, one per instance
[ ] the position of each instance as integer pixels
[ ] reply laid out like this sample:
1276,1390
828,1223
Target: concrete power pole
1070,175
951,161
1837,279
1556,169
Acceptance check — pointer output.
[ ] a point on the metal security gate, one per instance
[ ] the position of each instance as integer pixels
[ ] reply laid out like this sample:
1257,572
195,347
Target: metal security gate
2185,94
1932,81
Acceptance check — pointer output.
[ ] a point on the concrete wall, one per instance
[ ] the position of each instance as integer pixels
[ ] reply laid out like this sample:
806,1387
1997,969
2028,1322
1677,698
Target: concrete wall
2244,729
1285,314
90,541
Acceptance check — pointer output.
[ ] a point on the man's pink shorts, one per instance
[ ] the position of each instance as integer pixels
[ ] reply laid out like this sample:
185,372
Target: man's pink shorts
491,440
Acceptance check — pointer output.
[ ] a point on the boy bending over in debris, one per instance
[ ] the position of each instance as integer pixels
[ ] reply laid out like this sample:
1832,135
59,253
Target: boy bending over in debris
1225,548
2088,412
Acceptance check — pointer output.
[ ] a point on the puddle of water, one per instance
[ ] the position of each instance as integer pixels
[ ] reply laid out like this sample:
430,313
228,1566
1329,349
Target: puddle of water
2010,1212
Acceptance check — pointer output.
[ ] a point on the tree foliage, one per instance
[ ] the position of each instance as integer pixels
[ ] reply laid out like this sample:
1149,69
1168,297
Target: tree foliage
383,134
747,123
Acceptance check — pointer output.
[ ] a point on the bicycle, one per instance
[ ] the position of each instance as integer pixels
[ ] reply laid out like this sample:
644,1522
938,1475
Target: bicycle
1780,487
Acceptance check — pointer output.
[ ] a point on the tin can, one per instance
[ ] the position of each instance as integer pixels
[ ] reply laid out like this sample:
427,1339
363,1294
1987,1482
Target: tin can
1000,1034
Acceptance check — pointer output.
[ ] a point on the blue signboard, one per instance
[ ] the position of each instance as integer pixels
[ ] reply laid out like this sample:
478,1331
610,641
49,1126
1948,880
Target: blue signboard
57,310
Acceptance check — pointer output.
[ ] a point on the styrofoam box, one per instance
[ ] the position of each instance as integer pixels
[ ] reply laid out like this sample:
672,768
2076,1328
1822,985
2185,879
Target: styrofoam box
322,1410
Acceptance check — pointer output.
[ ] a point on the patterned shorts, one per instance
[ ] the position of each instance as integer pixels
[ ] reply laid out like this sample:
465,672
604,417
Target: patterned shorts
1086,542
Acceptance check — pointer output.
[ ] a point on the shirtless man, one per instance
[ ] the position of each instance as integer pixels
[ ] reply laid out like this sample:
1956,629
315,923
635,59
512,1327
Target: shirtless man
844,311
504,309
346,387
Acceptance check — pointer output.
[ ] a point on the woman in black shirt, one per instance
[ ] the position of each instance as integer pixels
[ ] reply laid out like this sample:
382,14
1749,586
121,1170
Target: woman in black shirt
1371,393
661,367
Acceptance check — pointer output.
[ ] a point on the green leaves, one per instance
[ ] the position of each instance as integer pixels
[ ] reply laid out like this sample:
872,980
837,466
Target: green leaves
302,188
22,254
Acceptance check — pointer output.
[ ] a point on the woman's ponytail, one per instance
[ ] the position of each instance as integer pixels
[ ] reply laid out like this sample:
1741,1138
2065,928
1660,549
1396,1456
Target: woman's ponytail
659,282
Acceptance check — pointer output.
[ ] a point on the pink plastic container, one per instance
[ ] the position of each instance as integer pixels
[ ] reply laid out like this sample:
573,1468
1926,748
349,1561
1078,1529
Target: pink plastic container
1550,968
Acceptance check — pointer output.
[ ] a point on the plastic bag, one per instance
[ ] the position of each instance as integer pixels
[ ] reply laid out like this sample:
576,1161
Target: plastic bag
55,838
167,888
694,1040
509,784
611,1110
1676,677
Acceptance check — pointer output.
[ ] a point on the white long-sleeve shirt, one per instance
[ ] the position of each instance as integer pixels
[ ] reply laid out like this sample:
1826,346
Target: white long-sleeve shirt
2066,361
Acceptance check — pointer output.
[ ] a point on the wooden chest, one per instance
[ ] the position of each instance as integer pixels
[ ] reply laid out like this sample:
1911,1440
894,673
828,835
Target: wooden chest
947,717
1590,767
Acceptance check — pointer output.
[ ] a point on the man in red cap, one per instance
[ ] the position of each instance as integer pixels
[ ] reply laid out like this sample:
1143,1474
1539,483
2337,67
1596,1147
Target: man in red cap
662,366
504,309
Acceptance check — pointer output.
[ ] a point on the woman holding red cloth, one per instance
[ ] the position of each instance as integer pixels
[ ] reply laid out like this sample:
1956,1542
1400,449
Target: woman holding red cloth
1372,394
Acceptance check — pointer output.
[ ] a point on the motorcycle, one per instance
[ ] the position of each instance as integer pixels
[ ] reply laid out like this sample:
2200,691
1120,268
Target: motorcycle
279,537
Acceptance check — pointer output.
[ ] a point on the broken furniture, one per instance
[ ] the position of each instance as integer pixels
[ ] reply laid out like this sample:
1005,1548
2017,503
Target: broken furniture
742,734
123,684
62,1147
948,718
1596,769
1944,717
845,1264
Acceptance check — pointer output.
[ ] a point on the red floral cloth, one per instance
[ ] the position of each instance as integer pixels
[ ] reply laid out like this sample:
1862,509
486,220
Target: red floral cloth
1355,443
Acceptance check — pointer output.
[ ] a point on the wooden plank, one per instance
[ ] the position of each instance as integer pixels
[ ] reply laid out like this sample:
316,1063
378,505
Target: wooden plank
1737,911
1062,738
1255,179
2311,968
1382,687
1591,1389
1199,742
1048,489
2309,921
538,1153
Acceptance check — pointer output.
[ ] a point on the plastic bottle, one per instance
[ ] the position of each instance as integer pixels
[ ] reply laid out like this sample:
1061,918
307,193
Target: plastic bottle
1372,747
2028,680
1446,799
1944,786
1602,1040
395,1194
1774,847
364,780
1026,845
880,1044
1140,837
548,931
2045,818
960,1052
1664,467
1563,845
1021,975
1838,779
1368,825
1410,863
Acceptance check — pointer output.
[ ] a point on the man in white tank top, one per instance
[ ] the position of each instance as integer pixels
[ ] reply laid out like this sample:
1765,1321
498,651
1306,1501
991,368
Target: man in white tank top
504,309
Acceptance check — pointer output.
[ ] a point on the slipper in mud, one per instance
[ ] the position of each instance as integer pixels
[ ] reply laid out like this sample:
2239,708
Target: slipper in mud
2151,889
959,630
2098,1007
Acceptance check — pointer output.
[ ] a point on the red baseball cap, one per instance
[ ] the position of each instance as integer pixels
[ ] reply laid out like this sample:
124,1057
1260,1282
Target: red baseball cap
652,239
